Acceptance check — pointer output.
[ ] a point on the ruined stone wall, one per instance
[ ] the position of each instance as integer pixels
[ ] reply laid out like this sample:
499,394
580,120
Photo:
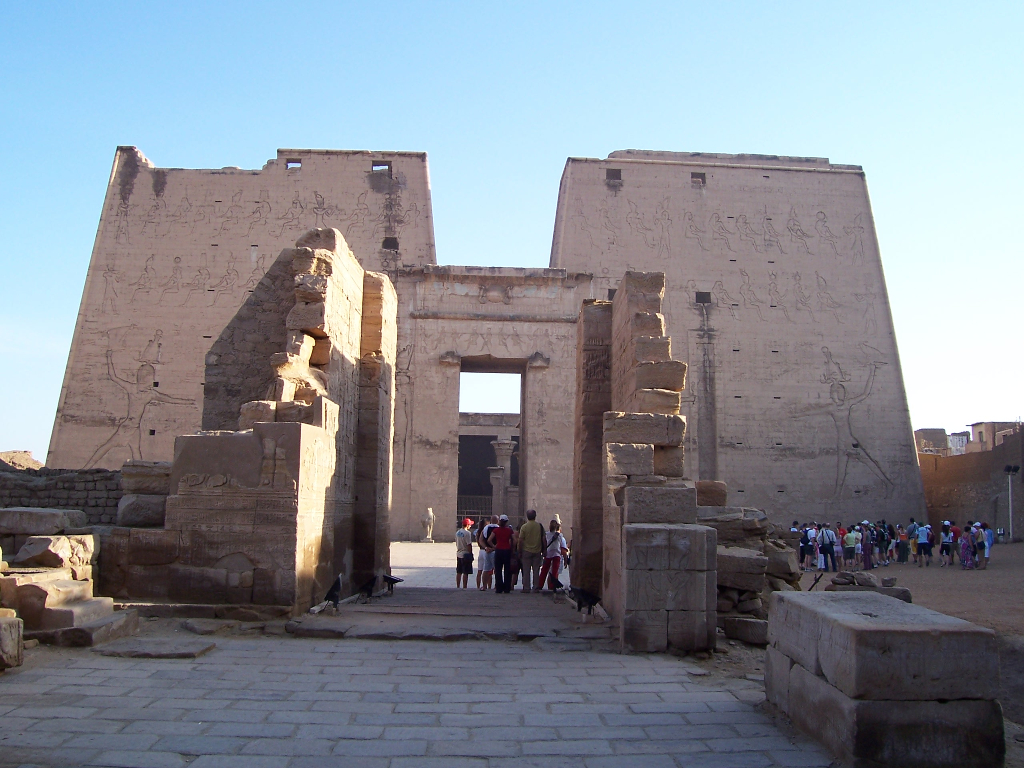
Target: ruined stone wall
182,264
973,486
775,298
375,430
94,491
482,319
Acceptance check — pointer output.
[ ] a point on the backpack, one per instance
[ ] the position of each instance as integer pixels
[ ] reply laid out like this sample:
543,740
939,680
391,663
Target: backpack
805,540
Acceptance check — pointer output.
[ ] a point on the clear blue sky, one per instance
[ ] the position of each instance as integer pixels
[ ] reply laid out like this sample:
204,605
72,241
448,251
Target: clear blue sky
926,96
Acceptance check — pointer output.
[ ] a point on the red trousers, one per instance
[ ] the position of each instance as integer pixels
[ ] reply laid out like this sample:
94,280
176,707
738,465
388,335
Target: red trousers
550,569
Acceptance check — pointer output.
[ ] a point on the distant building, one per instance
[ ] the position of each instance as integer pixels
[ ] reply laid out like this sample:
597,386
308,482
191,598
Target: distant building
932,441
958,443
986,435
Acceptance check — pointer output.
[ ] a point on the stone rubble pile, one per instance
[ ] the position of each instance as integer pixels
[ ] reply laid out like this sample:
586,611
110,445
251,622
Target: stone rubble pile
865,581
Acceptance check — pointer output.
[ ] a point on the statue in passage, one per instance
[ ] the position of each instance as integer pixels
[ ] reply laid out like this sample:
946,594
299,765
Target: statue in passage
428,525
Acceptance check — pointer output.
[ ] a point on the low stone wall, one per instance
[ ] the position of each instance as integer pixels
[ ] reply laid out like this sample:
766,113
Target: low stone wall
94,491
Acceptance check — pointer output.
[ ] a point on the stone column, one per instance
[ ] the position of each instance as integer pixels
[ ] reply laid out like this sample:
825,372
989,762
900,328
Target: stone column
503,450
497,490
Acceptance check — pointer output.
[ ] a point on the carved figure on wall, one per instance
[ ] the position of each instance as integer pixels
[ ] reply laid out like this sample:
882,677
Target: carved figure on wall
291,218
260,215
692,231
257,273
868,300
848,446
204,215
173,283
145,281
427,521
776,298
198,283
825,233
856,232
796,231
610,228
233,214
111,277
153,350
747,232
637,226
719,232
403,387
322,211
833,370
357,219
226,284
747,294
663,221
579,221
121,228
140,392
803,299
723,300
180,216
772,239
153,216
409,218
825,300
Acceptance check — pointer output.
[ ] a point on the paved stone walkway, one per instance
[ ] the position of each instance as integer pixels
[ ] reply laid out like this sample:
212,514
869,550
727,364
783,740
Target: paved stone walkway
270,702
426,565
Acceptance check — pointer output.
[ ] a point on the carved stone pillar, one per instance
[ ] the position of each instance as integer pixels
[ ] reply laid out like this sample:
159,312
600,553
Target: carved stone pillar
503,450
497,490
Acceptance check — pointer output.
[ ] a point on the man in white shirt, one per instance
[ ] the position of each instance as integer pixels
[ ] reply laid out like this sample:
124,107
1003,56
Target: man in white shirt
554,549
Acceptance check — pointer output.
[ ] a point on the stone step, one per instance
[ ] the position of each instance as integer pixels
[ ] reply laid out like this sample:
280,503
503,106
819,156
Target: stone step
13,578
78,614
33,600
118,624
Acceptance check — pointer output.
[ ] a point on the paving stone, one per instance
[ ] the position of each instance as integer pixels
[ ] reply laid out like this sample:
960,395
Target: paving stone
200,745
150,648
239,761
380,748
568,747
138,759
286,746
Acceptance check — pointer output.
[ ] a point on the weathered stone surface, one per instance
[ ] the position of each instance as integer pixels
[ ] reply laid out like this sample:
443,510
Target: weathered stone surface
57,551
738,560
157,648
712,493
644,504
12,646
909,734
629,458
866,579
782,562
95,632
669,375
153,546
260,411
37,521
669,461
59,604
777,668
870,646
645,547
143,510
692,548
753,631
654,428
657,401
146,477
645,631
691,630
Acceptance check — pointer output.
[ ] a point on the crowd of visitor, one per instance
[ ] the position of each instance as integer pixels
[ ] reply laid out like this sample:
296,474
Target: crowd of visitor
868,545
505,554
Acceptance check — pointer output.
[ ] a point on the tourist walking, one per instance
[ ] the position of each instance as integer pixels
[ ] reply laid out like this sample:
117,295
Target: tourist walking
503,539
945,545
485,561
867,545
990,539
828,540
903,552
464,553
912,536
968,551
924,545
531,551
849,548
554,550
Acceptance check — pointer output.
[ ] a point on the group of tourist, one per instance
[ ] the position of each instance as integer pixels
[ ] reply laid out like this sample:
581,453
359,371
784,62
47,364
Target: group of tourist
506,553
867,545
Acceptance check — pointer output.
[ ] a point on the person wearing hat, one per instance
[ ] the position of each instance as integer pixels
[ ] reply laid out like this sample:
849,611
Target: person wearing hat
463,554
924,546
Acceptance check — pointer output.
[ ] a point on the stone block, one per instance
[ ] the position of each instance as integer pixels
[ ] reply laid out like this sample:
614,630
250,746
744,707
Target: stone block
672,504
629,458
870,646
311,288
782,562
777,668
56,551
652,349
909,734
39,521
191,584
310,317
141,509
259,411
655,428
688,591
712,493
753,631
736,524
669,375
151,582
321,354
147,477
669,461
692,548
739,560
153,546
299,344
12,645
646,547
646,590
662,401
692,630
644,631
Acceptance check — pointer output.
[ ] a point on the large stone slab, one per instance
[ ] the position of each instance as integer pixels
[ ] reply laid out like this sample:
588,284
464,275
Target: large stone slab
654,504
870,646
908,734
663,546
157,648
141,510
644,631
39,521
654,428
741,569
146,477
692,630
12,646
57,551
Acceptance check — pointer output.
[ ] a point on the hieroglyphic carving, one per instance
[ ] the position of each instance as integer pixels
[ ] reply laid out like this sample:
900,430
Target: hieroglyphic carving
749,297
747,233
226,284
611,229
772,239
145,282
776,298
579,222
868,300
856,232
111,277
719,232
825,300
796,231
824,233
723,299
692,231
637,226
173,283
803,299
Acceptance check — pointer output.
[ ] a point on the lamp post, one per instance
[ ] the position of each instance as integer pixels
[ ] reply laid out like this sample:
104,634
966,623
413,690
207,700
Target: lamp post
1010,471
